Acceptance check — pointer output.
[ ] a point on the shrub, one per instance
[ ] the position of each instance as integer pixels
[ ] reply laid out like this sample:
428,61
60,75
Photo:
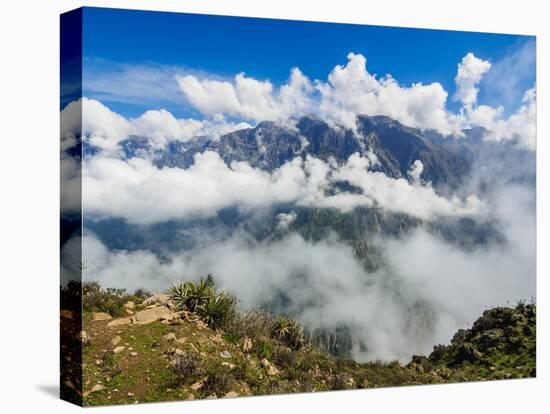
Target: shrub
142,293
178,294
191,295
262,348
198,294
217,309
186,367
284,358
97,299
289,332
218,381
253,324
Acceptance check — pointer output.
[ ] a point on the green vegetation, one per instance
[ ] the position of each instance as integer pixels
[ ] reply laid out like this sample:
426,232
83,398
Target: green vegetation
288,331
109,300
501,344
218,350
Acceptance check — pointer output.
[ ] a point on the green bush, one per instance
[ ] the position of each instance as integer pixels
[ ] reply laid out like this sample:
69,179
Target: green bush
97,299
218,381
178,294
262,347
284,358
289,332
217,309
192,295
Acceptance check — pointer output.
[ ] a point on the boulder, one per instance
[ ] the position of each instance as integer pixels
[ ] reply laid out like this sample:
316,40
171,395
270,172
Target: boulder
157,298
197,385
231,394
170,336
95,388
118,349
129,305
247,344
101,316
269,369
120,322
151,315
116,340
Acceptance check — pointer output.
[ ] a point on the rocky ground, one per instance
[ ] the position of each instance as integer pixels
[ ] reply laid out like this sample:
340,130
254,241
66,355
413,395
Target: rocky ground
152,352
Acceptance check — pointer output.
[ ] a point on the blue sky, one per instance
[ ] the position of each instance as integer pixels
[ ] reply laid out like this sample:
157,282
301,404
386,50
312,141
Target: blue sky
120,41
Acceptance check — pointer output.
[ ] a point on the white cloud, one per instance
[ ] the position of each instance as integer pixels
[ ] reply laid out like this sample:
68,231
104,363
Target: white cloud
520,126
139,191
142,193
351,90
110,81
415,172
284,220
247,97
162,127
104,128
470,71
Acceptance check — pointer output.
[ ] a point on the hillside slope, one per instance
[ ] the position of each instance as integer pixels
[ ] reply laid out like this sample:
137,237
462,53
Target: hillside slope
153,352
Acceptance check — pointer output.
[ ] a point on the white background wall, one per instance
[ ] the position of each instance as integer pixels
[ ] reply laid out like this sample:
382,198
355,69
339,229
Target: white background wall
29,193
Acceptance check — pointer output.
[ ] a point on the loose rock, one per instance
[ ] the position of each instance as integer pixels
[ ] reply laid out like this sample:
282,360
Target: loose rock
101,316
116,340
269,369
170,336
197,385
84,337
118,349
247,344
120,322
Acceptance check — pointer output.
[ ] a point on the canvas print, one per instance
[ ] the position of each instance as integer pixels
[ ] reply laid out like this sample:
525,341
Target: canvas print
260,206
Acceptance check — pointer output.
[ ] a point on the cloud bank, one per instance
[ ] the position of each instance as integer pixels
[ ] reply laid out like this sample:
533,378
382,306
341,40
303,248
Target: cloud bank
142,193
105,129
427,289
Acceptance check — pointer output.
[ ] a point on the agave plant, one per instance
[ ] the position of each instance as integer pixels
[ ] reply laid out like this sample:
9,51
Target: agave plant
191,295
217,309
288,331
178,294
198,294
